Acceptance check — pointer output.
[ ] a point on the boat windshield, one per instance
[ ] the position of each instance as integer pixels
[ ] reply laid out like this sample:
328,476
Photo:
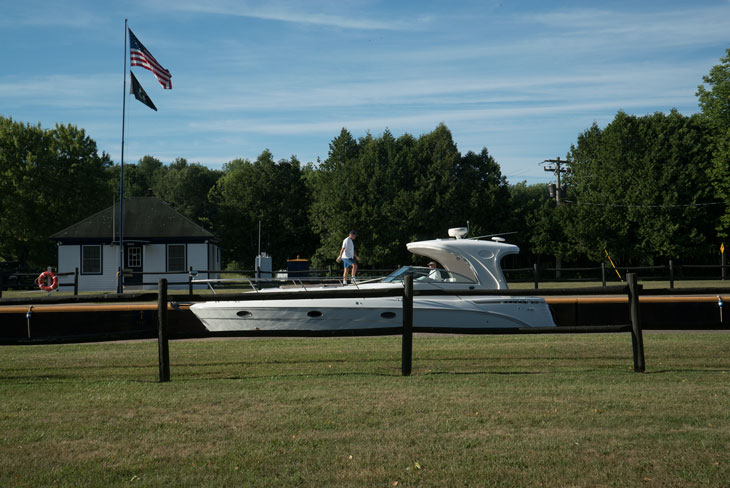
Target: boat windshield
422,274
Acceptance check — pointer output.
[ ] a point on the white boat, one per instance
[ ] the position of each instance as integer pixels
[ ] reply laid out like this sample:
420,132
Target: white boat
467,264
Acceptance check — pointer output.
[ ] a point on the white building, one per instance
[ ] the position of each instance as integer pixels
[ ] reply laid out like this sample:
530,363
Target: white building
157,239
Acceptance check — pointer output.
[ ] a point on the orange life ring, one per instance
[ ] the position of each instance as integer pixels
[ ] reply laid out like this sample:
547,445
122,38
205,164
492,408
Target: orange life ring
42,281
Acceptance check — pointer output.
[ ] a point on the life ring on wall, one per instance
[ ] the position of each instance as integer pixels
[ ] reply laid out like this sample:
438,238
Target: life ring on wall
42,281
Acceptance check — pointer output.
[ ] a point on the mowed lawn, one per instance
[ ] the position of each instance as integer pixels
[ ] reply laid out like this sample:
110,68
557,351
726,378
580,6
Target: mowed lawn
562,410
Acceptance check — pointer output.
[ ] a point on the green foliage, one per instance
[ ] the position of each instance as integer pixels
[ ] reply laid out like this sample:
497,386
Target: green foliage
644,188
394,191
139,179
715,104
274,194
185,187
49,179
715,100
641,189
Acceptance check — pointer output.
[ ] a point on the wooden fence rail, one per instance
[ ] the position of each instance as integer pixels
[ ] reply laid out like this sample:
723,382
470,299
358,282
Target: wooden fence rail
408,327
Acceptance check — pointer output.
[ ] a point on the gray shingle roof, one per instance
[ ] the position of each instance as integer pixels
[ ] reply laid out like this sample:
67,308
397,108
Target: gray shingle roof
145,218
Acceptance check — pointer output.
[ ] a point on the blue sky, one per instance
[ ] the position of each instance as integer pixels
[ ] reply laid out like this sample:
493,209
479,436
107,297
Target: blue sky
521,78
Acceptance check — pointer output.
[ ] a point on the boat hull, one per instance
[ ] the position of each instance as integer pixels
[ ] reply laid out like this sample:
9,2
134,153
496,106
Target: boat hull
360,314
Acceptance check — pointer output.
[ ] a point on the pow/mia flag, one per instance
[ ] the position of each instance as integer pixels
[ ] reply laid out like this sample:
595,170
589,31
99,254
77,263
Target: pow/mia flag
136,89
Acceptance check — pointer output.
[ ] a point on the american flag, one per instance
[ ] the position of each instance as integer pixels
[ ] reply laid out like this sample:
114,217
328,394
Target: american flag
140,56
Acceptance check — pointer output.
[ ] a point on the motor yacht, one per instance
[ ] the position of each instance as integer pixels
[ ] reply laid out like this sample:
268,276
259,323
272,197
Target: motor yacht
467,264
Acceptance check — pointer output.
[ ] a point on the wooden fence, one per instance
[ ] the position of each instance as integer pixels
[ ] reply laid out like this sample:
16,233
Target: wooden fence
408,328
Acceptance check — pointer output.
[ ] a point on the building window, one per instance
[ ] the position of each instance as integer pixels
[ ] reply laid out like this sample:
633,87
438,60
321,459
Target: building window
176,257
90,259
134,257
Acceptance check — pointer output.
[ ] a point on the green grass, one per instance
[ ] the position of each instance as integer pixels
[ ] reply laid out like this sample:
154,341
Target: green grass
563,410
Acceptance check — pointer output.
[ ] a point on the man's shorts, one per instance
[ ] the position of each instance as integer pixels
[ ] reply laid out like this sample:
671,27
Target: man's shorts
348,262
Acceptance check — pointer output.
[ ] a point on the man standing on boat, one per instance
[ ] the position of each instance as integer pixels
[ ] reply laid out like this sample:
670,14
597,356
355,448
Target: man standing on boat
349,256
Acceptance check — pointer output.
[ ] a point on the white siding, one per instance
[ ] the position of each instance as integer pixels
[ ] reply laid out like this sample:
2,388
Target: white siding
69,257
198,259
214,261
154,259
198,256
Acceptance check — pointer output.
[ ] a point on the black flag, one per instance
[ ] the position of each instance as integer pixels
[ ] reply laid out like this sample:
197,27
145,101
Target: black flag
136,89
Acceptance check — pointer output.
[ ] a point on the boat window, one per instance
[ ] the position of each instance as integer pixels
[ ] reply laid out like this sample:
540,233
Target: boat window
422,274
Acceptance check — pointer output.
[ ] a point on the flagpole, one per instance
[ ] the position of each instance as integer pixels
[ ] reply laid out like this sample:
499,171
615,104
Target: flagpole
120,278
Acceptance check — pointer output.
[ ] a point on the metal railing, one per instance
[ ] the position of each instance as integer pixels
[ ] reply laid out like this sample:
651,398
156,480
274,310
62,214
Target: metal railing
255,278
6,285
608,275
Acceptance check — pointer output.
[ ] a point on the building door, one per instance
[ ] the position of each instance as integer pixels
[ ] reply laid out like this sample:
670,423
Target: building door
133,265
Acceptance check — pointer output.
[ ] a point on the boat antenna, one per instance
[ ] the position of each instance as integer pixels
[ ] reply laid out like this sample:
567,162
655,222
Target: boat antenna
493,235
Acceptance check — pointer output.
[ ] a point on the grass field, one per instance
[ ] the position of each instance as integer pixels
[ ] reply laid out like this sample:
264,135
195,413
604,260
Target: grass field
564,410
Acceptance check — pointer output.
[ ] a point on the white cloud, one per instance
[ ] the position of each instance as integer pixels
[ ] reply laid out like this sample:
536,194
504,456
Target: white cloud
603,28
61,91
310,13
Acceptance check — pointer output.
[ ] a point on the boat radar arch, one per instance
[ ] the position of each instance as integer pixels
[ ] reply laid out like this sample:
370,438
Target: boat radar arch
458,232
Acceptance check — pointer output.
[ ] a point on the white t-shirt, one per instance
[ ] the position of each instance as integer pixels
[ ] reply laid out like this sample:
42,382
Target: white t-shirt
349,248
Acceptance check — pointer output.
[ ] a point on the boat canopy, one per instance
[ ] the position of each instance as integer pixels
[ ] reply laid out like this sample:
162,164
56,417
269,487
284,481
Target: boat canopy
475,259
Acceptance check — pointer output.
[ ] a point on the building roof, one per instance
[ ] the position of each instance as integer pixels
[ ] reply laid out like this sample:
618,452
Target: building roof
145,218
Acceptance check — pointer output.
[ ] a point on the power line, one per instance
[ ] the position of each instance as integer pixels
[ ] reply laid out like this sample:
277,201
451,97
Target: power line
622,205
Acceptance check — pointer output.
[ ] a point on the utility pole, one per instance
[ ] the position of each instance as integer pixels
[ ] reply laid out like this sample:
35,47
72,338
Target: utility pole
555,166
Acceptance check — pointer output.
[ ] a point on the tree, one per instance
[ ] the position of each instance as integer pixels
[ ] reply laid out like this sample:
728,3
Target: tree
139,179
715,100
273,194
49,179
715,104
394,191
641,189
185,187
529,208
482,195
332,191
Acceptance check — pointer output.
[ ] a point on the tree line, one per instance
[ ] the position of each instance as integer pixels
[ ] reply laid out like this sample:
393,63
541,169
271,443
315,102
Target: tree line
644,189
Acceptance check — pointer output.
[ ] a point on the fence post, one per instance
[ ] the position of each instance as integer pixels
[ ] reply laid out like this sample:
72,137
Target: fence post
671,274
407,352
1,285
76,281
637,339
723,262
603,272
162,343
535,274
